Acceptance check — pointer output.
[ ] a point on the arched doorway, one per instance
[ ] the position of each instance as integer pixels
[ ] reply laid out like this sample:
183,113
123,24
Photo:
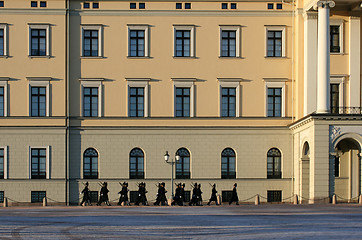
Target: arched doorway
347,169
304,175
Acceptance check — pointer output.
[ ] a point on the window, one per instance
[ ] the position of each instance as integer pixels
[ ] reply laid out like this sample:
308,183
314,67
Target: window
132,6
274,164
43,4
136,102
38,163
233,5
270,5
229,41
2,163
86,5
142,5
93,195
336,94
92,40
39,40
133,196
34,4
334,38
1,3
184,41
187,196
2,196
183,165
226,196
228,164
90,164
274,196
90,102
187,5
136,163
178,5
37,196
3,40
224,6
138,41
95,5
38,101
275,41
274,102
228,102
279,6
336,166
182,102
334,98
2,101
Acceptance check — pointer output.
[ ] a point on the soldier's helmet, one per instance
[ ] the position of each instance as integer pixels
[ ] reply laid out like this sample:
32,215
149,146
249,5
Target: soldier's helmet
126,183
105,184
214,185
235,184
184,185
163,184
87,184
179,185
195,184
199,185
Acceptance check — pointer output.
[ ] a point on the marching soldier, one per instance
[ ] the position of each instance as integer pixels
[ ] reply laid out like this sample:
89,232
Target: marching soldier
123,198
86,197
178,198
213,195
194,199
182,194
234,196
141,194
161,195
103,195
199,195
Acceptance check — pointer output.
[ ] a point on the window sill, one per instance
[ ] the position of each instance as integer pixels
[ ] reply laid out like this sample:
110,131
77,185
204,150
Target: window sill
4,56
337,53
284,57
130,57
185,57
39,56
221,57
95,57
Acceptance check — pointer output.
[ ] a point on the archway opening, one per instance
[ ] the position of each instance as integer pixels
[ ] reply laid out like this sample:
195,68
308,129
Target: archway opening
305,175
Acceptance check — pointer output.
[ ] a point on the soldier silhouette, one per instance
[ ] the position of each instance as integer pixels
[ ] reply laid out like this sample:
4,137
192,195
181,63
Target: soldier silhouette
103,195
213,197
161,195
86,197
123,198
234,195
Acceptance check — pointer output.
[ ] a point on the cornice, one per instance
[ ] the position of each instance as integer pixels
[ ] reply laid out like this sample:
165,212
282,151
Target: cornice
27,11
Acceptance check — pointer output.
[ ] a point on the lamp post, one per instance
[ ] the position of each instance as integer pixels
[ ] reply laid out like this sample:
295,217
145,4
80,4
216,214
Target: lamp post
172,163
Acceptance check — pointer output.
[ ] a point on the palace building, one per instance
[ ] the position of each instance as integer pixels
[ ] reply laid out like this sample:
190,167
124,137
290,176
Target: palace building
265,94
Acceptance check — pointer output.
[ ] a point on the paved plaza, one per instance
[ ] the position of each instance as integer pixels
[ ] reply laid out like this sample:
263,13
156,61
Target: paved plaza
272,221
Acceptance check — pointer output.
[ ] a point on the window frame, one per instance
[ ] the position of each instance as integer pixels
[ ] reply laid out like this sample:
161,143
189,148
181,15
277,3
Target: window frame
92,82
338,79
184,83
139,27
275,83
139,83
340,23
237,29
47,160
281,28
6,161
230,83
98,157
92,27
139,174
2,4
40,82
190,28
184,176
4,84
280,175
38,26
4,26
229,174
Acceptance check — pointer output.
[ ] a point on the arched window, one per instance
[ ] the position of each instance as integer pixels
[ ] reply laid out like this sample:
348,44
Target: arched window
136,163
90,164
228,164
274,163
183,165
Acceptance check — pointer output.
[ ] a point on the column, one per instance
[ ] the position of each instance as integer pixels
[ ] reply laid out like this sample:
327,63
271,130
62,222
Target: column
354,62
323,63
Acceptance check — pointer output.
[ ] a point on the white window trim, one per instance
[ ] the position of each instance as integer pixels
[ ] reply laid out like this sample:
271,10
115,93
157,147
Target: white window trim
4,84
139,82
47,162
92,82
274,83
4,26
340,81
236,28
230,83
190,28
338,22
99,28
139,27
275,28
40,82
185,83
45,26
6,161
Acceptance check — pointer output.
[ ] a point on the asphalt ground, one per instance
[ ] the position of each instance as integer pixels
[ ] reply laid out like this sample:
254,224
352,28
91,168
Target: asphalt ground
269,221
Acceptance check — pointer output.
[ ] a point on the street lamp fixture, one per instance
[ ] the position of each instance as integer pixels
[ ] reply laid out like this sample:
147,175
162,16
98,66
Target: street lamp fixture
172,163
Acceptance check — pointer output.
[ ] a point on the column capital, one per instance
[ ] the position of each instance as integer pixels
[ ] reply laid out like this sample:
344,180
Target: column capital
324,4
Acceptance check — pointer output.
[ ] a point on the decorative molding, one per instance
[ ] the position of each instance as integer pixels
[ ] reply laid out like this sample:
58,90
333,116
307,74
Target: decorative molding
276,79
230,79
4,79
334,132
91,79
39,78
184,79
310,15
324,4
138,79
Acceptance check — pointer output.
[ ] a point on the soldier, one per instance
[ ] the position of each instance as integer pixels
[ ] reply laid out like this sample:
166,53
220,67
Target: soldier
177,197
161,195
182,194
141,194
234,196
194,199
103,195
124,195
86,197
199,195
213,195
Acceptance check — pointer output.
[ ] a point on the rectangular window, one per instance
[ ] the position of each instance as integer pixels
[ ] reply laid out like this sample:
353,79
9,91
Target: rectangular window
90,101
187,196
182,102
270,5
2,196
224,6
1,3
132,6
228,102
38,163
274,102
228,43
183,43
136,102
187,5
43,4
233,5
96,5
226,196
178,5
37,196
274,196
334,39
34,4
38,42
2,102
38,101
137,43
336,166
133,195
142,5
93,196
334,98
2,41
86,5
90,43
2,163
279,6
274,46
